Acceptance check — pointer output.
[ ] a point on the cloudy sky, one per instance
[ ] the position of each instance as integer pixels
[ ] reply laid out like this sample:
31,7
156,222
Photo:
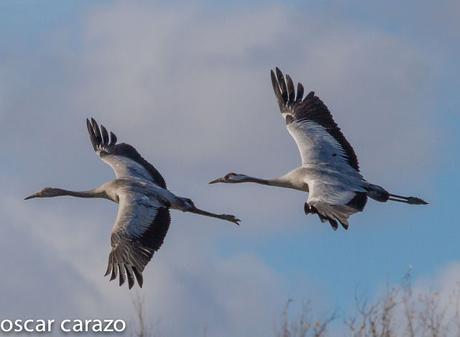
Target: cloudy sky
188,84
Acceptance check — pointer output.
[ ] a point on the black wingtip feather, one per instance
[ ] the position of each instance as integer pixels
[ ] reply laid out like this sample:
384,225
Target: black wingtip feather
333,223
121,276
138,275
290,89
108,270
114,272
274,83
113,139
276,89
279,73
130,276
97,132
105,136
91,134
299,92
282,84
100,137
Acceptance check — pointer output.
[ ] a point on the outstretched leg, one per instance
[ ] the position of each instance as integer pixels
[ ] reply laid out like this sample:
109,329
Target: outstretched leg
187,205
227,217
407,200
380,194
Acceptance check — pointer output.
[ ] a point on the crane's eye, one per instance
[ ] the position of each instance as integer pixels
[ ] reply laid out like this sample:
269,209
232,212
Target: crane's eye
229,175
189,202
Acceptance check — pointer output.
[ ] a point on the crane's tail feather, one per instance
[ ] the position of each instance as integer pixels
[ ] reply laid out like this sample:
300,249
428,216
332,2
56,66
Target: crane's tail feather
334,214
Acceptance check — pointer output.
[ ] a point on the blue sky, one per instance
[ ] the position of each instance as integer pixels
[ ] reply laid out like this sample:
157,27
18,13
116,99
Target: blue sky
188,85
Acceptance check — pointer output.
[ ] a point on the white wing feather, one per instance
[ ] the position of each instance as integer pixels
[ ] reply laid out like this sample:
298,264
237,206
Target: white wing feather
124,167
317,147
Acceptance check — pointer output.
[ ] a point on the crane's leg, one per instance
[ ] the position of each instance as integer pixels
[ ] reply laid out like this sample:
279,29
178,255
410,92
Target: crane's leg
226,217
380,194
407,200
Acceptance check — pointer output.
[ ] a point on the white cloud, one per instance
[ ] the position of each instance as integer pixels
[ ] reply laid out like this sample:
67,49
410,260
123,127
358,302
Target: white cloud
188,79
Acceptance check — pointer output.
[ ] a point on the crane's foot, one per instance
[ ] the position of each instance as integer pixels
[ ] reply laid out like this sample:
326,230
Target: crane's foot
231,218
416,201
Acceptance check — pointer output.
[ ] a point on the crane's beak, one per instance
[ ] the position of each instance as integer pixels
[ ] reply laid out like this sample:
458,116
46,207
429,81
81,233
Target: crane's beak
31,196
218,180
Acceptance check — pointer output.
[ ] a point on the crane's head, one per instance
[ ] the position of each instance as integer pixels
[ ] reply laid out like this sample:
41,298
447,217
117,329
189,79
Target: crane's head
47,192
187,203
230,178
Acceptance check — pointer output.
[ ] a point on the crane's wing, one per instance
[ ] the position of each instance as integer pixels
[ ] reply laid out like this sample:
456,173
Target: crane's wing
139,231
125,161
310,123
333,201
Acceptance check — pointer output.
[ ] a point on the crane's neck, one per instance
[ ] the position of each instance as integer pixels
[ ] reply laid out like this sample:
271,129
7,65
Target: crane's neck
278,182
93,193
79,194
